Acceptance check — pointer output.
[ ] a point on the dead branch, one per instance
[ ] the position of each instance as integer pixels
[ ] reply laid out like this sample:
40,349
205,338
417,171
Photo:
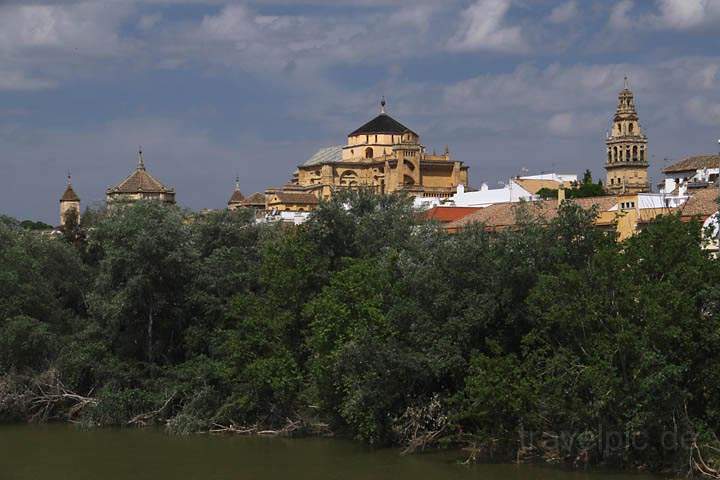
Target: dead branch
50,394
290,427
698,464
144,418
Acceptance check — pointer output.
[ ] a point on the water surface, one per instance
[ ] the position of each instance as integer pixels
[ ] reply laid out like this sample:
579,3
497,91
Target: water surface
60,452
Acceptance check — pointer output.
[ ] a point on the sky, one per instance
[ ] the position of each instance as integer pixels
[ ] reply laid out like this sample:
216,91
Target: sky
213,89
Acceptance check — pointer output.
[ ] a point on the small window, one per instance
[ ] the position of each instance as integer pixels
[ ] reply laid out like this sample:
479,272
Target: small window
631,127
369,152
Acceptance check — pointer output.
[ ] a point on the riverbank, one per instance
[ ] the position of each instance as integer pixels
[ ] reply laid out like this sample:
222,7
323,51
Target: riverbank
66,452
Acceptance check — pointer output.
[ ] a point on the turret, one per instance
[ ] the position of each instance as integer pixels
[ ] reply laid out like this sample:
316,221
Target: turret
237,198
69,202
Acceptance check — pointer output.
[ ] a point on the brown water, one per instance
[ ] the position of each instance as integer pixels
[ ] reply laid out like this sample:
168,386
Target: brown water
60,452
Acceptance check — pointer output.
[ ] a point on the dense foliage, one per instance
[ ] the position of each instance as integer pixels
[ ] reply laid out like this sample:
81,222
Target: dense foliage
549,341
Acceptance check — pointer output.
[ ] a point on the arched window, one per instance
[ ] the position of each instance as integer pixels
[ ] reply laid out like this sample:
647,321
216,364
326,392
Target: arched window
369,152
631,127
615,154
642,154
627,154
609,156
635,154
348,178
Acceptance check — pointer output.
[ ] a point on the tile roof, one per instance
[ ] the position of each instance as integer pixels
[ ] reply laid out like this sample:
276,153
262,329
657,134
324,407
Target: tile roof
449,214
69,195
383,123
702,204
503,215
237,197
297,198
696,162
140,181
325,155
257,199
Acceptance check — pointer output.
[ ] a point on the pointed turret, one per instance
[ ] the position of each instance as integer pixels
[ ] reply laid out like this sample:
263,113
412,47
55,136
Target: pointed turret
69,202
237,198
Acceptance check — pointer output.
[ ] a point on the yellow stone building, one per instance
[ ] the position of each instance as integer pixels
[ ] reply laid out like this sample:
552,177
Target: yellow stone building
139,185
383,155
627,154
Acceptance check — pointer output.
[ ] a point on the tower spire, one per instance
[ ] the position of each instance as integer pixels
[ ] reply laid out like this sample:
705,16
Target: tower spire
382,105
237,183
626,86
141,162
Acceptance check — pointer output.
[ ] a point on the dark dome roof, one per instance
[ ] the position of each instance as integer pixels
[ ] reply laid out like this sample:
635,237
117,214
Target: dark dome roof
383,123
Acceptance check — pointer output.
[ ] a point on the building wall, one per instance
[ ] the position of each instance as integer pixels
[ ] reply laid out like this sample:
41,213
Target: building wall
66,207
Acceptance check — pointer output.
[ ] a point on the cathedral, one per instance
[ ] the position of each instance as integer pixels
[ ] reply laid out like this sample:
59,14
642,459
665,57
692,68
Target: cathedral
382,155
627,153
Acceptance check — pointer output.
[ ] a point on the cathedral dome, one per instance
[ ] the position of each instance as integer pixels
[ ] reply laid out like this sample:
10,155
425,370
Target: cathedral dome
383,123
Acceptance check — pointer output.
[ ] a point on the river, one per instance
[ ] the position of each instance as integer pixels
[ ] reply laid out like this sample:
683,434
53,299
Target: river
61,452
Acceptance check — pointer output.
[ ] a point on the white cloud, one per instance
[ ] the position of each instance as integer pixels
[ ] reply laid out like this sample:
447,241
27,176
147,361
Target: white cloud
680,15
703,111
86,27
620,14
150,21
686,14
16,80
564,12
483,28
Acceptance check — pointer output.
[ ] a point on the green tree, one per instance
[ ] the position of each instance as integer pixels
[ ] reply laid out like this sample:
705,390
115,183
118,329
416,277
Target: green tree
146,263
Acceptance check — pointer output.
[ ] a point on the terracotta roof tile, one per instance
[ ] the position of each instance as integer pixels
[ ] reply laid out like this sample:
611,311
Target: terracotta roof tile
503,215
696,162
140,181
449,214
236,197
297,198
702,204
69,195
257,199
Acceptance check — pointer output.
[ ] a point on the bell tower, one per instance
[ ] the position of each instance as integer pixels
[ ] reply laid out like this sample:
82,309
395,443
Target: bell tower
69,202
627,155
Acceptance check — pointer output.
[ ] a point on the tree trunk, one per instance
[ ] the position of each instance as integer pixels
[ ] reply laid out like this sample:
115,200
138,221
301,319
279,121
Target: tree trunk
150,337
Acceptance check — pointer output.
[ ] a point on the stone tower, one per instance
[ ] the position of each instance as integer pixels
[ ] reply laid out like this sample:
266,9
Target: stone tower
627,155
69,202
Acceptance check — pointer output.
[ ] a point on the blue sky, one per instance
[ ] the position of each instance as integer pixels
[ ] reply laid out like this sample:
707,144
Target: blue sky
213,89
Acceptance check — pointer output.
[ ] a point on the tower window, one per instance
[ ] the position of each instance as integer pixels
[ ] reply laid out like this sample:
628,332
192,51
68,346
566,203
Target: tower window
369,152
630,127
